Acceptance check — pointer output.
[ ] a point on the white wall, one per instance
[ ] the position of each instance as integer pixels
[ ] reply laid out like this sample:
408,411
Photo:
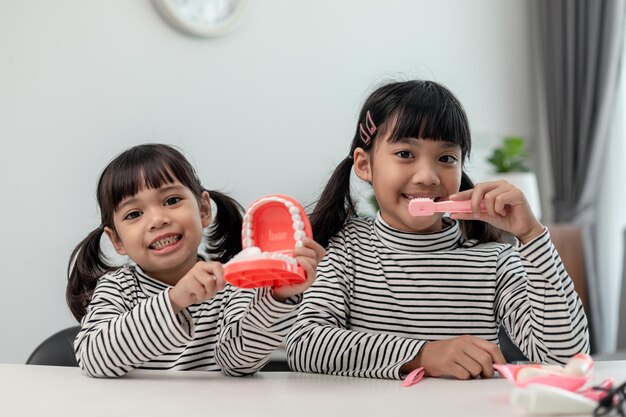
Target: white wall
270,108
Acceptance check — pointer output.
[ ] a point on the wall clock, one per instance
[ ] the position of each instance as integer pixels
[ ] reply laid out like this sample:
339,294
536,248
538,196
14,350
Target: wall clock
201,18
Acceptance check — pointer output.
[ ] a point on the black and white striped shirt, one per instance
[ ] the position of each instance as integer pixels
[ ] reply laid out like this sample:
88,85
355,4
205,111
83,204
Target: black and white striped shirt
380,294
130,324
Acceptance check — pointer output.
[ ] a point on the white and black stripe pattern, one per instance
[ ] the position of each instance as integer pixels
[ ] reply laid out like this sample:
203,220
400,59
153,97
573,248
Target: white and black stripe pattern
381,294
130,324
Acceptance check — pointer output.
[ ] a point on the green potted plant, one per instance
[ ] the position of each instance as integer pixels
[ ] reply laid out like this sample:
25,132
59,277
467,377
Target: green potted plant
510,156
509,163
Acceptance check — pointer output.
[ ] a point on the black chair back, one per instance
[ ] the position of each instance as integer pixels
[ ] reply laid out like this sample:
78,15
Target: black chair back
57,350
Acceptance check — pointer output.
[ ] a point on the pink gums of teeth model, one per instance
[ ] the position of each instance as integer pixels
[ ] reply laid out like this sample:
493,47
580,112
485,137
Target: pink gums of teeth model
552,389
428,207
571,377
272,227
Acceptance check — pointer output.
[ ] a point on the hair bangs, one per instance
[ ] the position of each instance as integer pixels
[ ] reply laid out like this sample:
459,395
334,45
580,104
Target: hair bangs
151,174
144,167
430,113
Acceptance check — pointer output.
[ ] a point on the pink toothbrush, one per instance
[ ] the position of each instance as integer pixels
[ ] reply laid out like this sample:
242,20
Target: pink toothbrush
428,207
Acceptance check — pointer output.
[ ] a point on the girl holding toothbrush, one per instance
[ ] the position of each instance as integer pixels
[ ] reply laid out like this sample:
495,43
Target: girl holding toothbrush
398,292
169,307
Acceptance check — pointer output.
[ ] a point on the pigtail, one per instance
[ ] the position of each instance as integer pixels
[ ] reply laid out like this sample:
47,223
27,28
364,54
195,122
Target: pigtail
87,264
224,237
335,205
475,229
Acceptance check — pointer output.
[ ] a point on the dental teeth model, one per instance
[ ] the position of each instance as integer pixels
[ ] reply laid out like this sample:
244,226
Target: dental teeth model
272,227
294,211
254,252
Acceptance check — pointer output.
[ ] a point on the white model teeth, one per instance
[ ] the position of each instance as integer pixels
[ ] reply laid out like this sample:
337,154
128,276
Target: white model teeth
255,253
160,244
298,223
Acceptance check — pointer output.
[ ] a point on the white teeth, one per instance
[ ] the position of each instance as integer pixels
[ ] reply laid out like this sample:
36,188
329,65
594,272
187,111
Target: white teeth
413,197
160,244
298,224
254,252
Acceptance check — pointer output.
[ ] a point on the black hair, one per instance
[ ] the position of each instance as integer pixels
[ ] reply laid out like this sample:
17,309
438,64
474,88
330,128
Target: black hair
410,109
145,166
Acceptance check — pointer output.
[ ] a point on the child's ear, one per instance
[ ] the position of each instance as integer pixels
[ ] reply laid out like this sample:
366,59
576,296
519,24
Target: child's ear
205,209
115,240
362,166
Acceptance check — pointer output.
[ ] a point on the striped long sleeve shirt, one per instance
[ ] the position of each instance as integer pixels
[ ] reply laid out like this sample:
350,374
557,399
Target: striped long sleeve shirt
130,324
381,294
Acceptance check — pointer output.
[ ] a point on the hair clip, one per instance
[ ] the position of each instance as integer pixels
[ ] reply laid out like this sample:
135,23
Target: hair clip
366,137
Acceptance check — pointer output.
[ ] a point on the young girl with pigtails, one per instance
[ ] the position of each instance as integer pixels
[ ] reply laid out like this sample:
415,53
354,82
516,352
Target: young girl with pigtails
400,292
169,307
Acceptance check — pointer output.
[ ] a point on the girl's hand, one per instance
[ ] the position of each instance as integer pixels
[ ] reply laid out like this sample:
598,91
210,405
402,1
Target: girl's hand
308,256
202,282
507,209
461,357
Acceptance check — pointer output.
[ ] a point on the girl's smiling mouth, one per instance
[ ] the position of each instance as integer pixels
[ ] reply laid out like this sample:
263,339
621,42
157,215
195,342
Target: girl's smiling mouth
431,196
166,243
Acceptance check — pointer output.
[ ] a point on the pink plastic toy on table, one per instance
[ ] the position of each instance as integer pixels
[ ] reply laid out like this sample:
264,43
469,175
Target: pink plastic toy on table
553,389
570,377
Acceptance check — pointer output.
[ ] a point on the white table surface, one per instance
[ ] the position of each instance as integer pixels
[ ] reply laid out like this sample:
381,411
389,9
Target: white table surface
29,390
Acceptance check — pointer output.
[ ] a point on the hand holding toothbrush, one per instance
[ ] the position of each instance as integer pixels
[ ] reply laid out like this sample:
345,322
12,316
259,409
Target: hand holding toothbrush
504,206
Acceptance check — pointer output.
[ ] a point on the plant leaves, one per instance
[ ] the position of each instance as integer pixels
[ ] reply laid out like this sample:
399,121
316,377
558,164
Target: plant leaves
511,156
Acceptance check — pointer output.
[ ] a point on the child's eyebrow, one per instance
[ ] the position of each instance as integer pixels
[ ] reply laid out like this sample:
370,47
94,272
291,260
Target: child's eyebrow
162,190
443,143
170,188
448,145
127,202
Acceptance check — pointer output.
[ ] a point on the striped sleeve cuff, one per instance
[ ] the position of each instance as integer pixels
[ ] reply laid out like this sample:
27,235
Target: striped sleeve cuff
183,321
163,329
532,250
411,349
269,314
